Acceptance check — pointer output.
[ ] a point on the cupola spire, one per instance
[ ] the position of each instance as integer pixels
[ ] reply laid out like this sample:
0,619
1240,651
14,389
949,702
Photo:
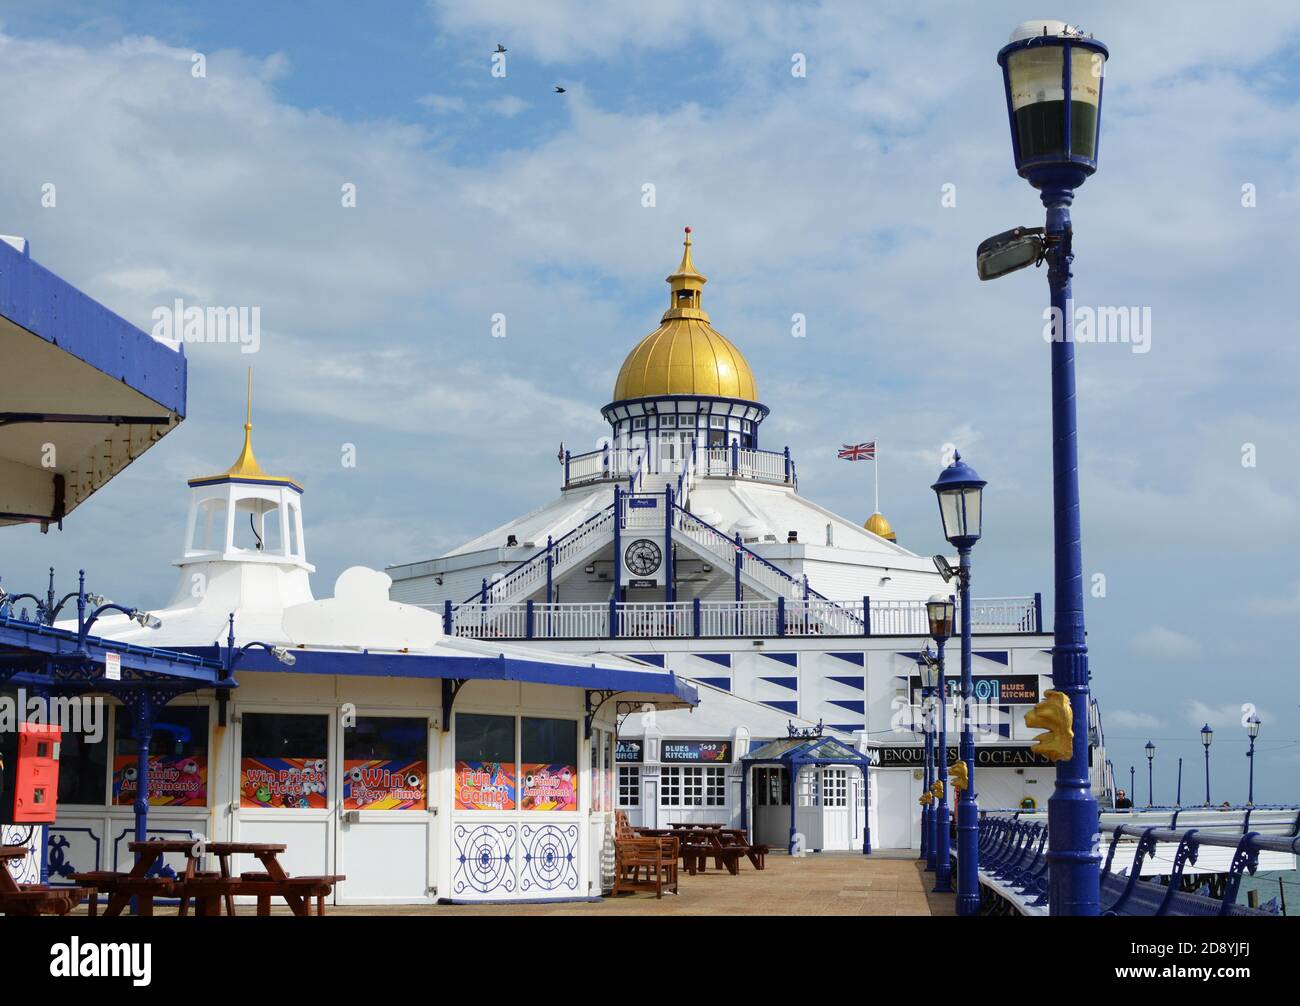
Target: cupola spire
246,467
687,286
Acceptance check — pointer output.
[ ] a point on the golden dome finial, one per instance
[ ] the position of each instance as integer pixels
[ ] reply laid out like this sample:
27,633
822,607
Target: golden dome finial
685,355
246,468
879,525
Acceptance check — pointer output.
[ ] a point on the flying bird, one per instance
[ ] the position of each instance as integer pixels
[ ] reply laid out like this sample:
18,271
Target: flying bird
559,89
501,48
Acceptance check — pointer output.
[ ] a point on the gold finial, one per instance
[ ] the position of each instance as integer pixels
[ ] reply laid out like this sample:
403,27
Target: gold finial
246,468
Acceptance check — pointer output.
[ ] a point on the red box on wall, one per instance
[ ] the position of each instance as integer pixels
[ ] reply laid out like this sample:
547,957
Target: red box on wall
36,778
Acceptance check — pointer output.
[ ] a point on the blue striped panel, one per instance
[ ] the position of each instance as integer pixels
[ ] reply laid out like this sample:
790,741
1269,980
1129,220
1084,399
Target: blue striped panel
853,658
790,683
786,658
859,683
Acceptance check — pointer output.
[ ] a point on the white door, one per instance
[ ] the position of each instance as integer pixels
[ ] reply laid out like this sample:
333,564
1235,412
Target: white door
837,829
387,838
284,786
897,811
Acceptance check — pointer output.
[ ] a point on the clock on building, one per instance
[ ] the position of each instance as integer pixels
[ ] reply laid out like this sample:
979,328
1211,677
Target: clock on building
643,557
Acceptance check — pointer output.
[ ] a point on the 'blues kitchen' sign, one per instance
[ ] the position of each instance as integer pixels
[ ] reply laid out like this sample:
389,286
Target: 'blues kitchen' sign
695,751
999,690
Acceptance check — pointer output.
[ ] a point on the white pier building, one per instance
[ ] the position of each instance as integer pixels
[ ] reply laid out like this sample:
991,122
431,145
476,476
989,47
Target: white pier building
684,541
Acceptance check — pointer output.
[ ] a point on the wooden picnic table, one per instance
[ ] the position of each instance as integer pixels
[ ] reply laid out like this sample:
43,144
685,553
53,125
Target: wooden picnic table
208,891
33,899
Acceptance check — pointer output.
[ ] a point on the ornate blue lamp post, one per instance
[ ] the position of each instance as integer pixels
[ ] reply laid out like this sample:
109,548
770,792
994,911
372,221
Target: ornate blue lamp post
961,492
1151,755
928,676
1252,728
939,611
1053,78
1207,738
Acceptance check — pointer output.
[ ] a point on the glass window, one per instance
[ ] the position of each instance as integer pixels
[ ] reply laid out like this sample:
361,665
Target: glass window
718,422
83,767
485,762
178,758
548,766
629,785
284,760
638,423
666,421
693,786
385,763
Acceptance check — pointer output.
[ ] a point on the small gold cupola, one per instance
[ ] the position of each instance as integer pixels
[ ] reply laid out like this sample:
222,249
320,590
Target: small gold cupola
246,468
687,286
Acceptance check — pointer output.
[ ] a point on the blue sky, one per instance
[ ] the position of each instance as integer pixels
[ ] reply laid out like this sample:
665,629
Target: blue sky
818,195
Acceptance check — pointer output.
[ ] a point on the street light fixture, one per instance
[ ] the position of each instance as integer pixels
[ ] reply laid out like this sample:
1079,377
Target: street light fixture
928,670
1052,74
1207,738
939,613
1252,731
1151,754
960,492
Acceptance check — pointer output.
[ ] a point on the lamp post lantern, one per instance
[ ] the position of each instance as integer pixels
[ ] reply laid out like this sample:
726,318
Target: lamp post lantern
939,612
1207,738
1151,755
960,491
1252,730
1052,74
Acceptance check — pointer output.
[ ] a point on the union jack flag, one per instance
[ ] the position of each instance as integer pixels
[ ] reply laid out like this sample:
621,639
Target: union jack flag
858,452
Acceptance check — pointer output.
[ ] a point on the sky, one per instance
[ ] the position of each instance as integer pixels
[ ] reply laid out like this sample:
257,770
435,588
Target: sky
854,195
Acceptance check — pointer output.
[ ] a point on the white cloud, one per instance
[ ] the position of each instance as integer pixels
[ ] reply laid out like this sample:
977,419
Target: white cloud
509,106
1162,643
442,102
1127,719
1229,716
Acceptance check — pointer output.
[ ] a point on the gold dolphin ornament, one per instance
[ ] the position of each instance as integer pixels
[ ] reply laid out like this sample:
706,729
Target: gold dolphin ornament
1055,716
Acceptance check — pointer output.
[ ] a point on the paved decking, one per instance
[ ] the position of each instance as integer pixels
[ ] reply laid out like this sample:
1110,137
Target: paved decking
826,884
890,883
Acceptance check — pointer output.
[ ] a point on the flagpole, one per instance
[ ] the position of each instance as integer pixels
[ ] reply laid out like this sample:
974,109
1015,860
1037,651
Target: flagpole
875,457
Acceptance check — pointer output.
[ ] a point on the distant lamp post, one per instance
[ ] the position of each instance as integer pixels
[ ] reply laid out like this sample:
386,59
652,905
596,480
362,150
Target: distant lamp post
1252,730
1151,755
929,672
939,612
1132,784
1052,74
1207,738
960,491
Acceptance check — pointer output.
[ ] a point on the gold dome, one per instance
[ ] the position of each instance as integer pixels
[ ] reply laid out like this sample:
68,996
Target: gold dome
878,525
685,355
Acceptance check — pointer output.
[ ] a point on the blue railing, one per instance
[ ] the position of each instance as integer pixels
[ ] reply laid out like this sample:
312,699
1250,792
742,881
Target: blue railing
1014,868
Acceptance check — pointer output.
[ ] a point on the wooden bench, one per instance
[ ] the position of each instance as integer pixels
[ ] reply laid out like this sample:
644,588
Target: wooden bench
121,888
657,856
34,899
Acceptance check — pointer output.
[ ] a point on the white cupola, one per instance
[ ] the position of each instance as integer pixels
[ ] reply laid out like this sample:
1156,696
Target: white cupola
245,515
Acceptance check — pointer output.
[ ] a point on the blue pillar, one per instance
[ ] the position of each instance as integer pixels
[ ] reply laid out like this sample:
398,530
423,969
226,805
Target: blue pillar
566,468
787,464
866,614
927,778
1250,793
968,814
528,618
1074,864
866,811
780,614
793,773
550,569
446,616
695,616
942,840
735,457
669,592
